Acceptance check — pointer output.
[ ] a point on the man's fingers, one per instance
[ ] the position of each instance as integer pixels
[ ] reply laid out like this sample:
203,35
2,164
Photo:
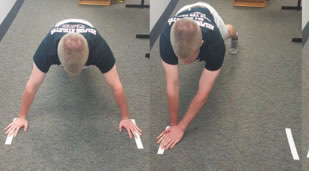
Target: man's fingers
158,137
165,131
12,131
138,130
162,138
120,127
170,143
159,140
9,130
8,126
26,126
130,135
16,132
133,132
174,144
162,143
166,141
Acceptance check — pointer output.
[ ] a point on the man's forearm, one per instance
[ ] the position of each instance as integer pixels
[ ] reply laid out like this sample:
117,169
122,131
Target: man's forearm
27,99
173,105
206,83
121,101
197,103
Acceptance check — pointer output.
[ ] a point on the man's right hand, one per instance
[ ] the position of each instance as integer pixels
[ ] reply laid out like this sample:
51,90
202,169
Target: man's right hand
13,128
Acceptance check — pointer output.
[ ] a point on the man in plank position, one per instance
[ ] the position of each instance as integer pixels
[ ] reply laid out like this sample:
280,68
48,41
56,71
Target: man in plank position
196,33
73,44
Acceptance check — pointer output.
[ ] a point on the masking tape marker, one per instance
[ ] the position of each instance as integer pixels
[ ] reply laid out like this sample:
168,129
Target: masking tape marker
291,143
138,138
9,138
161,150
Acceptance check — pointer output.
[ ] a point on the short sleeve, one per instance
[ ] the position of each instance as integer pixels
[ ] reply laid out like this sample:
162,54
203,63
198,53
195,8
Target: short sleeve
105,59
41,58
215,59
166,50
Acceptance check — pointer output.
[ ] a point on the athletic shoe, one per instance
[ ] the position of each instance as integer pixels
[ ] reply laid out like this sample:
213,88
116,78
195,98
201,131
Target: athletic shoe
234,47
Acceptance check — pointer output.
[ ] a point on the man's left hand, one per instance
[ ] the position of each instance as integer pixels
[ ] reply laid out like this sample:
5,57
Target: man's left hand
170,137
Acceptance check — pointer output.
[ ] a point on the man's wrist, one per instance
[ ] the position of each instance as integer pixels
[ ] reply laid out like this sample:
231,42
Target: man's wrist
22,116
182,126
125,117
173,123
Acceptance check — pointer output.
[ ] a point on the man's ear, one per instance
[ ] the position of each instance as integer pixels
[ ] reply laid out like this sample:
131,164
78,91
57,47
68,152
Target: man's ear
202,41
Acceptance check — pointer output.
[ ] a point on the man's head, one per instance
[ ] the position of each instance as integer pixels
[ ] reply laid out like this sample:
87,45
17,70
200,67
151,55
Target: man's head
186,39
73,52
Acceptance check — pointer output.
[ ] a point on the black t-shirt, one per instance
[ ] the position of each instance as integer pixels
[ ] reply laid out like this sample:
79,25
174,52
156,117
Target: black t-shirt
100,54
213,49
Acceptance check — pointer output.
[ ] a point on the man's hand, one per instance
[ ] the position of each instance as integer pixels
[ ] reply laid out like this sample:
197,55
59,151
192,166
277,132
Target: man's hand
170,137
13,128
130,127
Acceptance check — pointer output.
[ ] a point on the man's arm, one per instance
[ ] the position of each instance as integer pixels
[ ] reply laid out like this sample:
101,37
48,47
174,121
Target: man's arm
112,79
173,135
172,91
206,83
32,86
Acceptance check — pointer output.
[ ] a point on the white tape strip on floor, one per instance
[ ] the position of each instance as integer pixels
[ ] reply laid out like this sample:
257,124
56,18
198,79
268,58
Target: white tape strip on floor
308,155
161,150
9,138
138,140
291,143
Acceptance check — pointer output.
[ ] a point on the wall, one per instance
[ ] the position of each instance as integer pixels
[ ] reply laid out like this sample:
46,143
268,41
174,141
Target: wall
5,7
305,11
157,7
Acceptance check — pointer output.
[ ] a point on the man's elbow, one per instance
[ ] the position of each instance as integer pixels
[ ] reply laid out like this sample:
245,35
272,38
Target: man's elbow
31,87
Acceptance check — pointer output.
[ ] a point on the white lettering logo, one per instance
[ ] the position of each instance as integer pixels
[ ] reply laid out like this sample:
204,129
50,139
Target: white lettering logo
200,18
73,28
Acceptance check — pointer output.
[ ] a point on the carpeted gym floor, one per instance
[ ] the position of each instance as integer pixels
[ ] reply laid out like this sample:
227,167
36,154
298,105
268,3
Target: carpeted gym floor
73,122
256,96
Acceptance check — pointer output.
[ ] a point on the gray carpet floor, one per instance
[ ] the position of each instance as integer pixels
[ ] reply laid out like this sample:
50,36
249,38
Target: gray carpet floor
73,122
257,96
